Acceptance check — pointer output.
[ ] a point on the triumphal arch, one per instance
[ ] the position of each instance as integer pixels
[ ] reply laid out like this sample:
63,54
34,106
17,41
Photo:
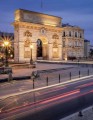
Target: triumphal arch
41,31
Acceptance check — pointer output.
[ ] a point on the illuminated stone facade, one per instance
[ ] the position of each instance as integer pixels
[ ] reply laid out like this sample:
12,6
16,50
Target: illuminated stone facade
29,27
73,42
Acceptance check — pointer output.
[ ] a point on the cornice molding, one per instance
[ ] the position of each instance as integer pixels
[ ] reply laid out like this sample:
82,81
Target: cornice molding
36,26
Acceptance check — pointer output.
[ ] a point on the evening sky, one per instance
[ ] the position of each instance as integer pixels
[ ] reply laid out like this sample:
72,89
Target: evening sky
74,12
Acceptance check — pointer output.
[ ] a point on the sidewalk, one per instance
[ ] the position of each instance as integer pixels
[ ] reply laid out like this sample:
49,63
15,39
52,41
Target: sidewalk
15,86
27,71
68,61
87,115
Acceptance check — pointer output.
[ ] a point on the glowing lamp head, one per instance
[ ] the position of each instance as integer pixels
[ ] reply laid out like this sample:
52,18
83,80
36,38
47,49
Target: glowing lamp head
31,46
6,43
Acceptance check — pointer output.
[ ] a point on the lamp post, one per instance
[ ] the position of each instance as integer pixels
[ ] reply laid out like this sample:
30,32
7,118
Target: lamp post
31,47
6,45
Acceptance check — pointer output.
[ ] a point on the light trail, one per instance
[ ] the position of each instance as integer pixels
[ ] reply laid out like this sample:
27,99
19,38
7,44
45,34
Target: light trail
84,85
44,104
62,96
41,102
46,100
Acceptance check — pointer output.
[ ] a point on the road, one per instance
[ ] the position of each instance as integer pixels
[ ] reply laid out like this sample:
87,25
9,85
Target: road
10,88
49,104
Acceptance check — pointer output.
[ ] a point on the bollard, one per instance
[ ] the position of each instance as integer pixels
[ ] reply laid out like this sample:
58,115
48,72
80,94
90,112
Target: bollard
10,77
80,114
59,78
79,73
88,72
70,75
47,81
33,84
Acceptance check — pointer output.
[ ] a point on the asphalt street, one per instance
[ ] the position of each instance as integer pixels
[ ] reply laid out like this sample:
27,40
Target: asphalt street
49,104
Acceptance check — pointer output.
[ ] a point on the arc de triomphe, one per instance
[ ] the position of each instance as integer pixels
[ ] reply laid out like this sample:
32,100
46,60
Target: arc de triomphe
42,31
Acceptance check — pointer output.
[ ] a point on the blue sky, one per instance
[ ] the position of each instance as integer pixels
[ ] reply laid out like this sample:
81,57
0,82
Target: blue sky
74,12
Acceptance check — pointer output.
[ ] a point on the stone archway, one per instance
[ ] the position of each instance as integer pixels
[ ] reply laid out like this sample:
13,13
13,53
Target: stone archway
39,49
42,48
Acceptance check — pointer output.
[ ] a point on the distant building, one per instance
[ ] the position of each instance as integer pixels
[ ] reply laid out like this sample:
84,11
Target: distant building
91,51
86,48
91,47
73,41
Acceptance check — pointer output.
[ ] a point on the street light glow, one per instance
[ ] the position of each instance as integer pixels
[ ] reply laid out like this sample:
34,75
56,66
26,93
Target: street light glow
6,43
31,46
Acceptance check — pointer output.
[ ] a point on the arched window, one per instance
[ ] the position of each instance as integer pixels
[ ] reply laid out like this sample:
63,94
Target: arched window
64,34
80,35
39,48
75,34
70,33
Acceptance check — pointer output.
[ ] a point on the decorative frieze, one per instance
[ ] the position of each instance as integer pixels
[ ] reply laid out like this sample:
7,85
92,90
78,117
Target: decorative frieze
27,43
27,33
55,36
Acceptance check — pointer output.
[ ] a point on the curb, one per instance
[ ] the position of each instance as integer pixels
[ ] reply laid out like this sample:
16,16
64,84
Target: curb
41,88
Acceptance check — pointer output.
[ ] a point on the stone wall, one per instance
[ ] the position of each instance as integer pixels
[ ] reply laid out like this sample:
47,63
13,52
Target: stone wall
38,18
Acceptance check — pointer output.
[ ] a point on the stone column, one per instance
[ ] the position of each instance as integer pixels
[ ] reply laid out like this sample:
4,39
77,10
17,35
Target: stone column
50,51
34,51
60,52
21,51
44,51
16,44
16,53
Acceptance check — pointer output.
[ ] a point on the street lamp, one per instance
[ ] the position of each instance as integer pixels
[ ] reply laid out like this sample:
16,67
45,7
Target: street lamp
31,47
6,45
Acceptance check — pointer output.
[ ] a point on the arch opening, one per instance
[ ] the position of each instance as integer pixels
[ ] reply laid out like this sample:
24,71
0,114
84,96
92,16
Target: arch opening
42,49
39,48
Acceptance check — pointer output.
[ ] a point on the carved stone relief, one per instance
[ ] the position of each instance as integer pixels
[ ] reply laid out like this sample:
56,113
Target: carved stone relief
27,43
55,45
28,34
27,48
55,36
55,49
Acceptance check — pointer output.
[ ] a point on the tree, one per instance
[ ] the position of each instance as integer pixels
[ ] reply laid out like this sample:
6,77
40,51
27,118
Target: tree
91,52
